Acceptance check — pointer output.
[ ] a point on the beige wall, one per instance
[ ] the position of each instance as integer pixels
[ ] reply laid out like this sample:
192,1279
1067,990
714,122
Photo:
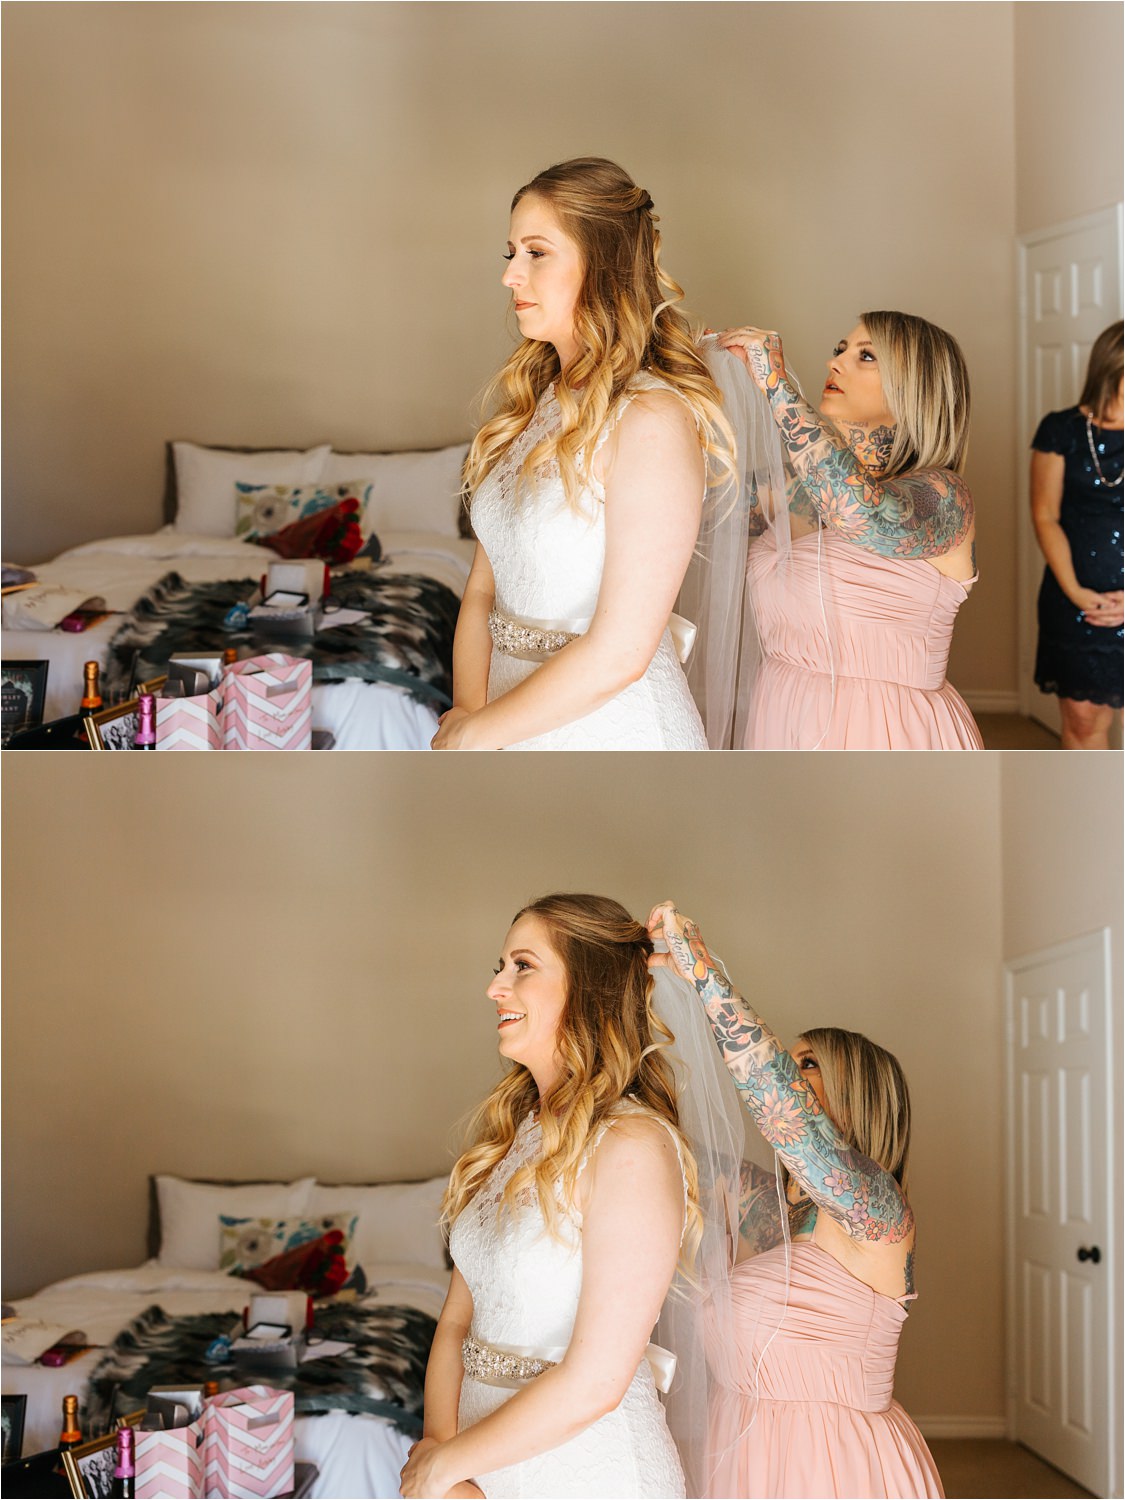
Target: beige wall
280,223
1068,110
271,970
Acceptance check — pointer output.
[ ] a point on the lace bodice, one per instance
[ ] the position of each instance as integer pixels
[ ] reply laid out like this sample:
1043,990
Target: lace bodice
547,558
525,1285
547,555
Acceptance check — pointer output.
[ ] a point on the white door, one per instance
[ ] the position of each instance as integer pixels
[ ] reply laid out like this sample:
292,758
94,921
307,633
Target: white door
1070,289
1061,1196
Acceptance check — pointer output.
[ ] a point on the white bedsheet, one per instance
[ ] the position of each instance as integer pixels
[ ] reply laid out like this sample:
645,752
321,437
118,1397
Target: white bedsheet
357,1455
361,715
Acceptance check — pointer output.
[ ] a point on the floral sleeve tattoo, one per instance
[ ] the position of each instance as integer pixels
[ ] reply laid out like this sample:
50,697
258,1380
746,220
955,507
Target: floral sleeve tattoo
849,1187
923,514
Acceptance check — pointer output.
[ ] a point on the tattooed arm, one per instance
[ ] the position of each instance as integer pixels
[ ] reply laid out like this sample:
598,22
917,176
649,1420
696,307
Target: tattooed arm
926,513
855,1192
759,1218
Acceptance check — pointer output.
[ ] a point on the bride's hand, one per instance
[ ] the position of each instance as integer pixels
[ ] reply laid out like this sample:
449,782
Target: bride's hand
450,729
421,1477
760,351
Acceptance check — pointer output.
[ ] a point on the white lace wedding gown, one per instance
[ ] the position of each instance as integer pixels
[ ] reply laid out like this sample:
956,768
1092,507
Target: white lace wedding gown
525,1287
547,559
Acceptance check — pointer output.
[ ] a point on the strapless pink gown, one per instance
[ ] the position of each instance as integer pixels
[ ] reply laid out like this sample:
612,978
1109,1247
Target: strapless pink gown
891,623
826,1422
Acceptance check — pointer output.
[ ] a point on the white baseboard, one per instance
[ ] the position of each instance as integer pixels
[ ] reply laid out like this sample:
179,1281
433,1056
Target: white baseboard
993,702
962,1427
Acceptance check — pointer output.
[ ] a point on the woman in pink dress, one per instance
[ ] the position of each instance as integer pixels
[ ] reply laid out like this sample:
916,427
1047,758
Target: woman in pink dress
855,615
803,1403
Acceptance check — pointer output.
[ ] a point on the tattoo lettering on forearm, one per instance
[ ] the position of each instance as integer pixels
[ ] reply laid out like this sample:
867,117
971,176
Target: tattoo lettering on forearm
853,1190
922,514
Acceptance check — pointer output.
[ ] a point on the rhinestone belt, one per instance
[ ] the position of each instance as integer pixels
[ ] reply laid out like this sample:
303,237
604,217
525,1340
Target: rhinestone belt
497,1367
525,638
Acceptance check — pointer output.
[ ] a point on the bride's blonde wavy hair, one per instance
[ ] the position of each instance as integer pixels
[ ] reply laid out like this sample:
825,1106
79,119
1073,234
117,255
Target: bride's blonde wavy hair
610,1045
625,321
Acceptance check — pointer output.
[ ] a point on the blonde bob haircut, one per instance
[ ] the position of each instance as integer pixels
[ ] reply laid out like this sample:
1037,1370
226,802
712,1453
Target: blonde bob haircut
625,321
866,1095
926,383
611,1045
1103,373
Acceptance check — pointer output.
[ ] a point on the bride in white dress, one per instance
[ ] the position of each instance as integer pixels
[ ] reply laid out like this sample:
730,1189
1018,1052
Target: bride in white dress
569,1214
587,486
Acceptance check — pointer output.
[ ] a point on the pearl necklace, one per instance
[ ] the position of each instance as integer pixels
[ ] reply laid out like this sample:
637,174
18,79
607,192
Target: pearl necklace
1110,484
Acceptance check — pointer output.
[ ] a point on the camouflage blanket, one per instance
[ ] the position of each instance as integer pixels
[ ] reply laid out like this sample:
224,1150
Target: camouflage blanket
407,640
383,1374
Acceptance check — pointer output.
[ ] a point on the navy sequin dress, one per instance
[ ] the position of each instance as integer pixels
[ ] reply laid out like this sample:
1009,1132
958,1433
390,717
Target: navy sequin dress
1076,659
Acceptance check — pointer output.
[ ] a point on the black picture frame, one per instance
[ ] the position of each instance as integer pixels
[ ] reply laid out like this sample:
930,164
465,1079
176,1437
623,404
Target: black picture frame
23,692
14,1412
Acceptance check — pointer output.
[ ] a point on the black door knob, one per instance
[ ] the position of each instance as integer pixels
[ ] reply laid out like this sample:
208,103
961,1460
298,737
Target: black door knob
1093,1253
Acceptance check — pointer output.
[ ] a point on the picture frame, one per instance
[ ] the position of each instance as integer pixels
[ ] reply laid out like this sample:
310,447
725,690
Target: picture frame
113,728
14,1412
89,1467
23,692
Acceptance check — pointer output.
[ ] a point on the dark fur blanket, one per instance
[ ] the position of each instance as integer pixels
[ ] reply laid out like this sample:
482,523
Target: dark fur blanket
408,639
383,1374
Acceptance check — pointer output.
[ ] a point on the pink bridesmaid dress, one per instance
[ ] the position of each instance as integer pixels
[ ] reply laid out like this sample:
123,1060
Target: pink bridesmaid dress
890,623
824,1422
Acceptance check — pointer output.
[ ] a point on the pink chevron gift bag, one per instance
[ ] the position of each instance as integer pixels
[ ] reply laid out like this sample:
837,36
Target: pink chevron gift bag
248,1443
170,1464
190,723
267,703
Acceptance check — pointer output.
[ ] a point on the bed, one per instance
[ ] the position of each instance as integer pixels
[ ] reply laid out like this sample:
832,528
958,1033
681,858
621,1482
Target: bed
215,506
358,1445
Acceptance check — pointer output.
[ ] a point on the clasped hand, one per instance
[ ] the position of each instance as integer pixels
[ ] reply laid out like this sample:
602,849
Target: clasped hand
1106,609
421,1477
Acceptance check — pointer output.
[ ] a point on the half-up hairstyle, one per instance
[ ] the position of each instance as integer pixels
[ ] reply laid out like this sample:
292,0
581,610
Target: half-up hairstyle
866,1095
926,383
626,321
610,1044
1103,373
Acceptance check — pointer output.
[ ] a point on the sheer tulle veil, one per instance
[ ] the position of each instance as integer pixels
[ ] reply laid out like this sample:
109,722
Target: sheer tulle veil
716,595
698,1320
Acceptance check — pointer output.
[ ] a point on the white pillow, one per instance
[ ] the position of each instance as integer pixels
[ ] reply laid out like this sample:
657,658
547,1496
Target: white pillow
398,1221
418,491
190,1234
205,480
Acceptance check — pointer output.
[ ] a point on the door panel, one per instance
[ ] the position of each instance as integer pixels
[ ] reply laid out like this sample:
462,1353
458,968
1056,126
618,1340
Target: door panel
1061,1202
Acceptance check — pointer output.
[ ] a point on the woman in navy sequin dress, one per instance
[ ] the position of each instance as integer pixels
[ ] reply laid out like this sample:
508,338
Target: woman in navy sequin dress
1076,506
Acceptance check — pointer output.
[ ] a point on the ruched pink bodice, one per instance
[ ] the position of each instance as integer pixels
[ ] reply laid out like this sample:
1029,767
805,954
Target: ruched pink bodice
882,625
825,1422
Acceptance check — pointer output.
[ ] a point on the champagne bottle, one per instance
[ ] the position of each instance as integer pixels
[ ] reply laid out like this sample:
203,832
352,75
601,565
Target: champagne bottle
125,1469
71,1434
145,737
91,692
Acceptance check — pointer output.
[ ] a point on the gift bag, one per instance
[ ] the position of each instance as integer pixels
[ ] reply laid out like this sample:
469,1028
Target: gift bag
170,1463
248,1442
267,703
190,723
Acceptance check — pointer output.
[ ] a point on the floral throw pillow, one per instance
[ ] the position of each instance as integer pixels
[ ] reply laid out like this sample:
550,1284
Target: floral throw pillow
264,509
246,1244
